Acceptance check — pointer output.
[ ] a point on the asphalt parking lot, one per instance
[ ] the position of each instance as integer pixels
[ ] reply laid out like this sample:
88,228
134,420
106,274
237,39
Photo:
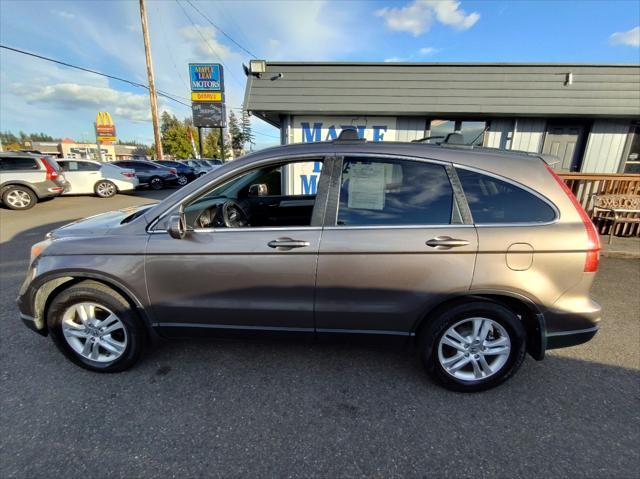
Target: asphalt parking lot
263,409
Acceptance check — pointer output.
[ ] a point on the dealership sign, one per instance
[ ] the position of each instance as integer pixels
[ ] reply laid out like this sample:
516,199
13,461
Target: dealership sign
105,128
208,114
206,77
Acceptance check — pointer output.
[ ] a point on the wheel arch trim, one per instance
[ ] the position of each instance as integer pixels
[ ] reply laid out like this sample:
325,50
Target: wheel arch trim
533,320
46,286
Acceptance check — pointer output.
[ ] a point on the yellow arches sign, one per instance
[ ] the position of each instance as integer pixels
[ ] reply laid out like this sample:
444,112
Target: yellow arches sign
105,128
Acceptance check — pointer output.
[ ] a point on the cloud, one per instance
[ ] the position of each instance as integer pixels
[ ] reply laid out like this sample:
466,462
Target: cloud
396,59
630,37
427,51
63,14
72,96
204,42
418,16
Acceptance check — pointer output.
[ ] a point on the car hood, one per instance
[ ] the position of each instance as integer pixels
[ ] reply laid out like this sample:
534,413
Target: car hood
99,224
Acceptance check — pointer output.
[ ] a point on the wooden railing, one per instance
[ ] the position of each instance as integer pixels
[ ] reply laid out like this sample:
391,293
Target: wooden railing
585,185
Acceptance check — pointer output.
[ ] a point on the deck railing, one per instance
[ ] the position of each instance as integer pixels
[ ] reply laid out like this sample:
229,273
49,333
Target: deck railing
585,185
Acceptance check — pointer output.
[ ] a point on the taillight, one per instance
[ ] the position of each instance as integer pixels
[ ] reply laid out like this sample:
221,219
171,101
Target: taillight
52,174
128,175
593,239
173,171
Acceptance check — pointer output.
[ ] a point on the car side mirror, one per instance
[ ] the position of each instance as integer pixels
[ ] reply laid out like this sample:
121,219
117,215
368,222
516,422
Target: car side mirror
177,226
258,189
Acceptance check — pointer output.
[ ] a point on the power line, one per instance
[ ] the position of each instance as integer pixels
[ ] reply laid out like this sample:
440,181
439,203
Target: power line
220,29
169,96
204,39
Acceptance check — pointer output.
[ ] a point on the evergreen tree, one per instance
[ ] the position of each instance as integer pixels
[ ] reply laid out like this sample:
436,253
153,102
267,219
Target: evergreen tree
247,134
235,131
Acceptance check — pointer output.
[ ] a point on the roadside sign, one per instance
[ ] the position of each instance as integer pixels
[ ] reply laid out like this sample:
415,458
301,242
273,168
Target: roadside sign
211,96
208,114
206,77
105,128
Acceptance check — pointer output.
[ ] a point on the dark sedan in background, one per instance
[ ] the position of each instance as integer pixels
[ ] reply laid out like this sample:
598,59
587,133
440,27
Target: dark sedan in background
185,172
154,175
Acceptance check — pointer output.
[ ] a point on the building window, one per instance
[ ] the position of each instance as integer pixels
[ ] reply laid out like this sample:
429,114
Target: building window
472,131
632,164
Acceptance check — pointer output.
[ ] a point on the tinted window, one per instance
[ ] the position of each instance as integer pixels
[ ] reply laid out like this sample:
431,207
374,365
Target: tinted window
18,164
394,192
495,201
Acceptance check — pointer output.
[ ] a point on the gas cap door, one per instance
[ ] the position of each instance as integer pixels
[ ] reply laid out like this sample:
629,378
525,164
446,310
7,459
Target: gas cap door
519,256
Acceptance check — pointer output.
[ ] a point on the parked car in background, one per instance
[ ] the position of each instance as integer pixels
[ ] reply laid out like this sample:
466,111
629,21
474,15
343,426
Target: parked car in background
214,162
474,256
88,177
198,168
27,178
151,174
185,172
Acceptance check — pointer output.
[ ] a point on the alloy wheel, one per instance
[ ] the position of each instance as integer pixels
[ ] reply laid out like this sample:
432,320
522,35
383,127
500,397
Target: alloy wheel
474,349
182,180
18,199
94,332
106,189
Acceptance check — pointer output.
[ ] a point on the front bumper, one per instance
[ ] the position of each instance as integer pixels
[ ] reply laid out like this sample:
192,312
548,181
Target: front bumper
30,322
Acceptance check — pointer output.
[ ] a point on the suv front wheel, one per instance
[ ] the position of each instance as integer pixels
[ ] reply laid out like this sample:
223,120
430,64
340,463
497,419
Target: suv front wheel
473,346
95,327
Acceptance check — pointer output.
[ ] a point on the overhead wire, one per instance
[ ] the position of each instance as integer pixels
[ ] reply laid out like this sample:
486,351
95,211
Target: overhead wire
169,96
220,29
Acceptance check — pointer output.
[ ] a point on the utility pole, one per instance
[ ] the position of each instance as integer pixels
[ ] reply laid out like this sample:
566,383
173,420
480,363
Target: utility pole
95,128
152,88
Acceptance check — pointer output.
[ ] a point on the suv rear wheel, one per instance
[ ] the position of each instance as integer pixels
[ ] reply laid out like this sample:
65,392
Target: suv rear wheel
95,327
18,197
474,346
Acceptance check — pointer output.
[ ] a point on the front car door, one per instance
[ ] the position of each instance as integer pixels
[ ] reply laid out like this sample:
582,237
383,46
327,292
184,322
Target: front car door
228,277
397,241
80,175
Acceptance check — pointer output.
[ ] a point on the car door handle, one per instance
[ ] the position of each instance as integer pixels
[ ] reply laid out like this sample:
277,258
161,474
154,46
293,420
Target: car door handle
446,242
287,244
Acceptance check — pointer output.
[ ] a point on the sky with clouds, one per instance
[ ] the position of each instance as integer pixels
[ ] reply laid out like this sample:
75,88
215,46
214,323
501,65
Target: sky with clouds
106,35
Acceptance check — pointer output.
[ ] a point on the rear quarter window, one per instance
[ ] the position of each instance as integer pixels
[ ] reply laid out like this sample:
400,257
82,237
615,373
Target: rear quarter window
18,164
495,201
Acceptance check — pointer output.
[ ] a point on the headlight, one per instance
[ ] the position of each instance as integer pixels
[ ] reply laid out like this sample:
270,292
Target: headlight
37,249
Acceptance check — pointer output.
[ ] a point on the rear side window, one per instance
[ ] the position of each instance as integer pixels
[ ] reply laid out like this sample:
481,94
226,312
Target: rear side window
394,192
18,164
495,201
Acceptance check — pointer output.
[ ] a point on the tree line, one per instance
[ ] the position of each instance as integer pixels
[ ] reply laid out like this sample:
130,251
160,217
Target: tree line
176,137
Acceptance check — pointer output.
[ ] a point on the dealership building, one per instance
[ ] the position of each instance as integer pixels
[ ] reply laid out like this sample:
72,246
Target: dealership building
588,115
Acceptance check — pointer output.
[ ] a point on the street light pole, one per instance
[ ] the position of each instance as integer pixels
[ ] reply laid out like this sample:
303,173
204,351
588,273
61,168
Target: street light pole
152,88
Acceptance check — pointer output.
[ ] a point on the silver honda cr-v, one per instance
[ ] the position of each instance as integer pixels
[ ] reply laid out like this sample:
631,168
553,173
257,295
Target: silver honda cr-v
477,257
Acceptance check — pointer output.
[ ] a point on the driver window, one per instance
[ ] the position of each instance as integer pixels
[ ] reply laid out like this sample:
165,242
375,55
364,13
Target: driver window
277,195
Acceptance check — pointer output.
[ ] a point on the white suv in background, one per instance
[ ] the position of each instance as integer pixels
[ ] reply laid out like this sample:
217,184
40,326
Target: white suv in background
87,177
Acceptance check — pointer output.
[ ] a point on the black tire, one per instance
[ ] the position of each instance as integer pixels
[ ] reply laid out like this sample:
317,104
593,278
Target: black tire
156,183
182,180
105,189
431,335
93,291
17,197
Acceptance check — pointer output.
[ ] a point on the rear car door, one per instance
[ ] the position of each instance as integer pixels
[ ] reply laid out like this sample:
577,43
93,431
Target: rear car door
394,244
224,279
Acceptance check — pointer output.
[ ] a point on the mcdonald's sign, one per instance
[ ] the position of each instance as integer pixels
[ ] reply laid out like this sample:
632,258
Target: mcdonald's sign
105,128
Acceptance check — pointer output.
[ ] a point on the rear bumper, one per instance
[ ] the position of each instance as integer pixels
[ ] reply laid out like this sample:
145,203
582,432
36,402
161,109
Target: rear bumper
565,339
564,329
